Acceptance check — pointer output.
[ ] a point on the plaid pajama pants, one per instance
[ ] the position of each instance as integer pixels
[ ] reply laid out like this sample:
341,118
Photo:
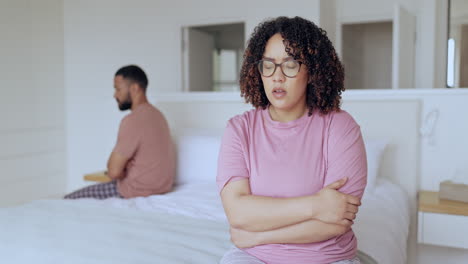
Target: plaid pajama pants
97,191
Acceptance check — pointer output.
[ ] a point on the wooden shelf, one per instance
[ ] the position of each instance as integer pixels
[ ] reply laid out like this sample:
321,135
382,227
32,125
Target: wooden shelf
430,202
97,177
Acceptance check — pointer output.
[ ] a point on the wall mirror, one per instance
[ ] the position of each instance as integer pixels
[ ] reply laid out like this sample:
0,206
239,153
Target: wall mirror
212,57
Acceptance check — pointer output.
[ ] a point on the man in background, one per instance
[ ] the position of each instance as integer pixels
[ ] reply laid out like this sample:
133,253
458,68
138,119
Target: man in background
143,160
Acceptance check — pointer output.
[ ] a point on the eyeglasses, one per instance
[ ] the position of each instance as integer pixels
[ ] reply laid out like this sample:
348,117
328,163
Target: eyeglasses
290,68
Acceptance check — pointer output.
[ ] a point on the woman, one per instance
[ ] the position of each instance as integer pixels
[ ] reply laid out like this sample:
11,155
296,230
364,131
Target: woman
292,171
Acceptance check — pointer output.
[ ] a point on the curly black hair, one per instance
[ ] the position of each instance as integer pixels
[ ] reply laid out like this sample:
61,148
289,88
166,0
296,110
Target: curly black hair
306,42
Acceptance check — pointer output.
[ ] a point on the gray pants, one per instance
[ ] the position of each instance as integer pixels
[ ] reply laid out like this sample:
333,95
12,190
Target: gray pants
237,256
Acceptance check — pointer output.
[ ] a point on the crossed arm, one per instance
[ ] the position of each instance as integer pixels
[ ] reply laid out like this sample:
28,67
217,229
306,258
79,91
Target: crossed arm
306,219
257,220
116,166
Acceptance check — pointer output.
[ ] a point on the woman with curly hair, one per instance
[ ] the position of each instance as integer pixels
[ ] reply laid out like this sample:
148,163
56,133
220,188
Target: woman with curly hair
291,172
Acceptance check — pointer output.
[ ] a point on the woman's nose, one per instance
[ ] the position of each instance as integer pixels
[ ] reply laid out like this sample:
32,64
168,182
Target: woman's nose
278,75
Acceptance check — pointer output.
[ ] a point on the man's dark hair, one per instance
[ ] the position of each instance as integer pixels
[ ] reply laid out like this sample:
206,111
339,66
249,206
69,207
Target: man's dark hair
135,74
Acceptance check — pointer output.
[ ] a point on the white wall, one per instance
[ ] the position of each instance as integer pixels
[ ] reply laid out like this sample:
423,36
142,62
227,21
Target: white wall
373,10
101,36
431,44
327,18
32,110
444,150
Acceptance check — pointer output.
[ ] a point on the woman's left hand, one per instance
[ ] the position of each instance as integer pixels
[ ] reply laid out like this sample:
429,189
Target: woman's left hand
244,239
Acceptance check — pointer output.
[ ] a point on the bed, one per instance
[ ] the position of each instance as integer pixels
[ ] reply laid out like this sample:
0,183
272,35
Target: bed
185,226
188,225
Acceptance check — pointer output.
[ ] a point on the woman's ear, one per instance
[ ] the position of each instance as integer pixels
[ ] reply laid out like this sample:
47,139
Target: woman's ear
309,79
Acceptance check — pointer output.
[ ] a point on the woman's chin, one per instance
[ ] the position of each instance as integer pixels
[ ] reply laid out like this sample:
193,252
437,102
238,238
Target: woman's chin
282,107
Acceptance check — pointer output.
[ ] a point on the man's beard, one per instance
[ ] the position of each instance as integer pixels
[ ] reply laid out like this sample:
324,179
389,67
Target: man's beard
125,105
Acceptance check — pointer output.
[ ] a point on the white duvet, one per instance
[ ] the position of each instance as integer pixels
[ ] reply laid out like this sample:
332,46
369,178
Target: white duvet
84,232
381,228
184,226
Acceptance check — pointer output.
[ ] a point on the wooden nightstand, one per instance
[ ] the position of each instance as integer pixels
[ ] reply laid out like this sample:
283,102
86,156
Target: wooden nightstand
97,177
442,222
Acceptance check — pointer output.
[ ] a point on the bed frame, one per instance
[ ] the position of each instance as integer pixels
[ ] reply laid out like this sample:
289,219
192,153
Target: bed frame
394,120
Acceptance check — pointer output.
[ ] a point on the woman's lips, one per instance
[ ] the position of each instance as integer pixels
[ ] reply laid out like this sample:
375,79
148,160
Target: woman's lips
279,93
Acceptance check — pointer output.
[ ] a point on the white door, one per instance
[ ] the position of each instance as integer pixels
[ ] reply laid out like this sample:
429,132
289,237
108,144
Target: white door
404,40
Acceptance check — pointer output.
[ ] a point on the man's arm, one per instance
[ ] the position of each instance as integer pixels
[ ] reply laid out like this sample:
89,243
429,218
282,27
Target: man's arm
310,231
125,148
116,166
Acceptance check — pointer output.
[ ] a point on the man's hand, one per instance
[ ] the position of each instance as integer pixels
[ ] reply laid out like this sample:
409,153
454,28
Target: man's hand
244,239
335,207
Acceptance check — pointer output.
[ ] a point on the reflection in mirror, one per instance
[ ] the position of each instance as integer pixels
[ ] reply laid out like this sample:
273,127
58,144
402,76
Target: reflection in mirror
457,51
212,57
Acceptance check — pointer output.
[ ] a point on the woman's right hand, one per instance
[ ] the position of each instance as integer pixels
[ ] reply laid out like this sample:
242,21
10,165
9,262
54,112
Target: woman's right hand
335,207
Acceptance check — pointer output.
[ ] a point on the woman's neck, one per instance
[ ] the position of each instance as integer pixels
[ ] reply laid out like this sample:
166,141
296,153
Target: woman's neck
287,115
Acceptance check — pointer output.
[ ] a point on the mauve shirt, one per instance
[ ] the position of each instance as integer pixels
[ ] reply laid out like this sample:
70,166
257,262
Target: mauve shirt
293,159
145,139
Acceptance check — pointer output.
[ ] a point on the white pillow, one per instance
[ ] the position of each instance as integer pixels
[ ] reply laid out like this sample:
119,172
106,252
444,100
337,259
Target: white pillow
374,151
197,158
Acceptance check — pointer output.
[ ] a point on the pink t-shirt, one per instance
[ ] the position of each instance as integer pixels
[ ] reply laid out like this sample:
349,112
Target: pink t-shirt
145,139
293,159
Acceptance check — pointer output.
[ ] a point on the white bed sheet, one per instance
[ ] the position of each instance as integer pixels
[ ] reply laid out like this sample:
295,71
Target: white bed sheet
382,224
381,228
151,230
83,232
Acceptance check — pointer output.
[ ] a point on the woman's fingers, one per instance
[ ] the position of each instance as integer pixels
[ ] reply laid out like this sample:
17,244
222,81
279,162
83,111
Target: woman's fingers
352,208
349,216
